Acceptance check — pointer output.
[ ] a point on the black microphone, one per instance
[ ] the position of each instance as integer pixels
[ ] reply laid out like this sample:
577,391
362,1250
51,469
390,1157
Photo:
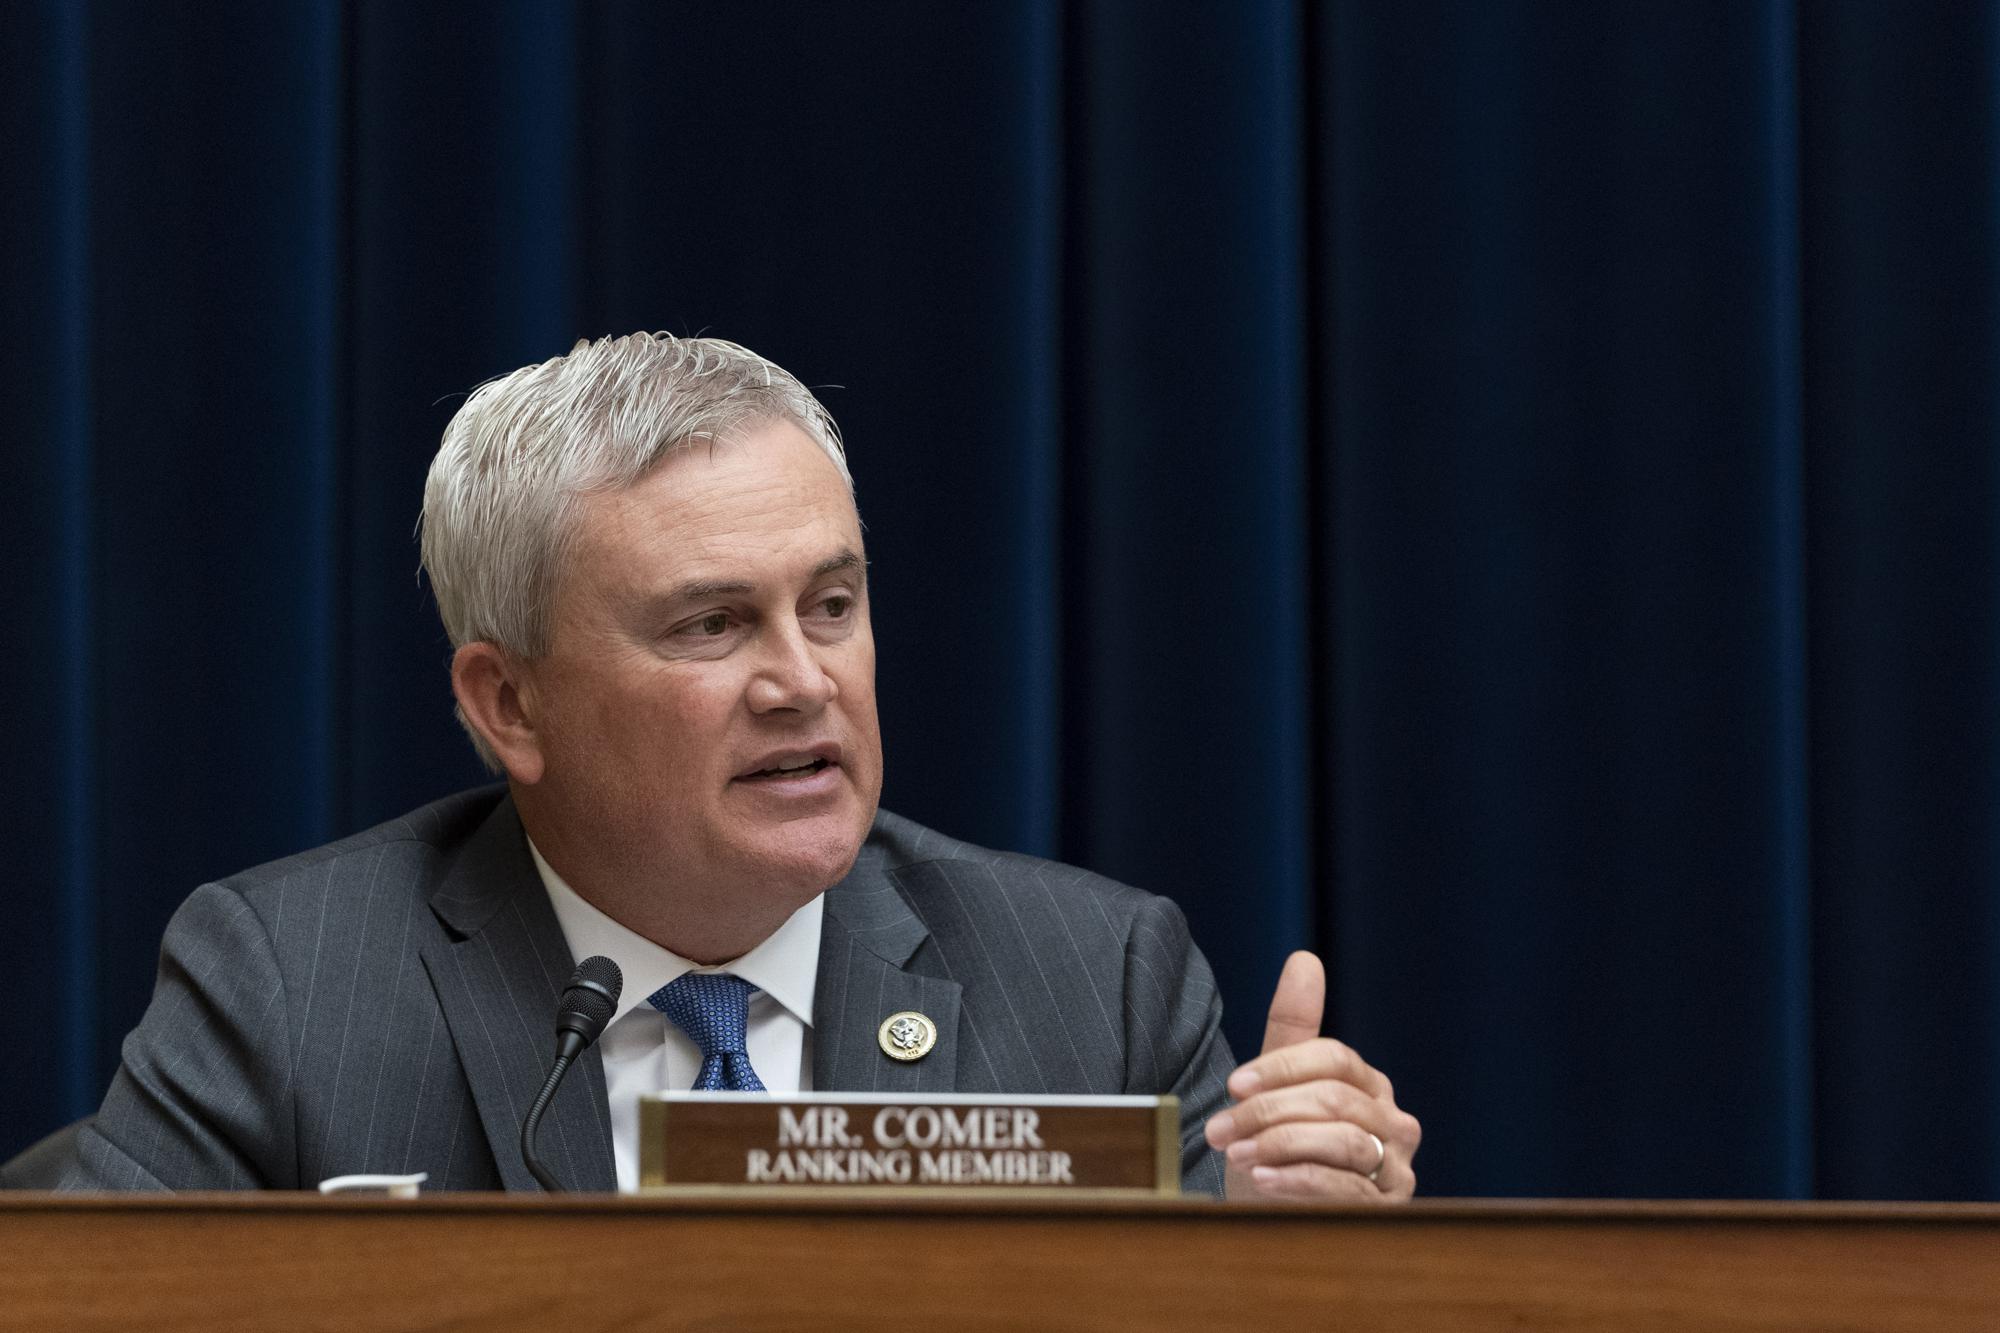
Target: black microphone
586,1005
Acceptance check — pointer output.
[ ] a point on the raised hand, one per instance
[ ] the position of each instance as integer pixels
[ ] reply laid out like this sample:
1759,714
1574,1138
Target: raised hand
1313,1119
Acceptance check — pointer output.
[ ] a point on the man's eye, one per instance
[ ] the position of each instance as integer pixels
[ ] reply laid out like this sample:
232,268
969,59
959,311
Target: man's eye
838,606
713,624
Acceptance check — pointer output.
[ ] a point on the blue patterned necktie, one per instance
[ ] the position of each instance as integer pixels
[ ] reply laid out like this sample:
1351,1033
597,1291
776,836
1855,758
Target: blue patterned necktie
713,1008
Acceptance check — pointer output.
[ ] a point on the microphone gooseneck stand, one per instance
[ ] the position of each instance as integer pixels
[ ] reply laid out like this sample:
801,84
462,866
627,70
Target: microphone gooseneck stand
587,1003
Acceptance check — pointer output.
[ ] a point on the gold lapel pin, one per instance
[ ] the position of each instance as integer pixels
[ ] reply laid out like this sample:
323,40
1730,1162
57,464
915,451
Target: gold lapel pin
907,1036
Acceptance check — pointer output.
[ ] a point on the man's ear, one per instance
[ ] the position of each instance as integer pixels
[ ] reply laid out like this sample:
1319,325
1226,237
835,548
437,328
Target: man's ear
498,700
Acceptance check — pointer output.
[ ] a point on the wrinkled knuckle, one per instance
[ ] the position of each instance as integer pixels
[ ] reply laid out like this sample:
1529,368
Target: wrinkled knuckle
1279,1141
1284,1180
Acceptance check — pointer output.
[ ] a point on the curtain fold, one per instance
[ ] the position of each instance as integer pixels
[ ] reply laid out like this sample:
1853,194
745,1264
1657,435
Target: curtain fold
1565,633
211,344
46,600
1903,479
1504,494
1187,692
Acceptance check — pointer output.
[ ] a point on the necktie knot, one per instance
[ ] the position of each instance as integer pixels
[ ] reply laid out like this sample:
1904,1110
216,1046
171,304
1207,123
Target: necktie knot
713,1009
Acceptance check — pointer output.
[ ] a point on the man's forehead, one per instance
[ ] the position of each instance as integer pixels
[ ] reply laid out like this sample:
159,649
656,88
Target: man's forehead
774,488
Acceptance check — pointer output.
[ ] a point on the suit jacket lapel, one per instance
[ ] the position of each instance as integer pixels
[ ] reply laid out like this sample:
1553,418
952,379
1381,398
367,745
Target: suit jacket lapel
498,973
868,937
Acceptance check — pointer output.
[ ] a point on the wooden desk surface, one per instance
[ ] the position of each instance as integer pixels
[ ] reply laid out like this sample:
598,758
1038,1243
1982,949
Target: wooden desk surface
591,1262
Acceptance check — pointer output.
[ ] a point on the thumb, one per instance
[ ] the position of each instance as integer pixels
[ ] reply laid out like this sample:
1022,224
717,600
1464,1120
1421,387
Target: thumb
1299,1004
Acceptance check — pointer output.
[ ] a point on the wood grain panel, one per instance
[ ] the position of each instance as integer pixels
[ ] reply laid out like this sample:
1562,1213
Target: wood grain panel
302,1262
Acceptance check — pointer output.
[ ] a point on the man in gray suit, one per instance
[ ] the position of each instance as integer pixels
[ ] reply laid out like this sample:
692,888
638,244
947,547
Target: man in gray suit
648,559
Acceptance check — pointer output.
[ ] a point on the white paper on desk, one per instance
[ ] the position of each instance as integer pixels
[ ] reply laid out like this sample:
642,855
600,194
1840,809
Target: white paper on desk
396,1187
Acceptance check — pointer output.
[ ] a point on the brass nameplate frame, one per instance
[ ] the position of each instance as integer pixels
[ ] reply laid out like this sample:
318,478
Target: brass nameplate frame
744,1141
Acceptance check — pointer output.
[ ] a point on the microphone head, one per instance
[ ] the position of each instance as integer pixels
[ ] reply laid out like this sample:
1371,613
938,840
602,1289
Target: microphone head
590,998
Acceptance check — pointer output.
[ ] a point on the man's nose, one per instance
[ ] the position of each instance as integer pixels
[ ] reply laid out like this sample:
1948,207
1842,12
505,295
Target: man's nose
790,674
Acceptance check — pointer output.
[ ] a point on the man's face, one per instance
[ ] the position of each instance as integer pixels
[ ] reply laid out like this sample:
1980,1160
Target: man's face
706,712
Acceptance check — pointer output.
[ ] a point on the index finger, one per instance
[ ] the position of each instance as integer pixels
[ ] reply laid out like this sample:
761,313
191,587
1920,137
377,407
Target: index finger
1322,1057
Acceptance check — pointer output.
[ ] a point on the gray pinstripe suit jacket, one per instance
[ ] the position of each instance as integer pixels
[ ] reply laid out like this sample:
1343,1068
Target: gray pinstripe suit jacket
386,1004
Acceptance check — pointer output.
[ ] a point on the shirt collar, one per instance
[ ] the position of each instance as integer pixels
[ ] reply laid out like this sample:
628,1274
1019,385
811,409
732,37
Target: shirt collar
785,966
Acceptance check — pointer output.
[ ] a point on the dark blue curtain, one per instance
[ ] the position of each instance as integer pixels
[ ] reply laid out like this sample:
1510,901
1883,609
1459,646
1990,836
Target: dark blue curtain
1504,493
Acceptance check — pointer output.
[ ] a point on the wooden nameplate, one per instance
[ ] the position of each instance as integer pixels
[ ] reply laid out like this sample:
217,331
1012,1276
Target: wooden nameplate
736,1141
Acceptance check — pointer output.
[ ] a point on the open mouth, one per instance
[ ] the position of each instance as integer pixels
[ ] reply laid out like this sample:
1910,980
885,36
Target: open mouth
803,769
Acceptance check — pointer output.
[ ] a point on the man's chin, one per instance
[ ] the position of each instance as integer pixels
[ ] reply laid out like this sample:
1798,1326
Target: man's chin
805,857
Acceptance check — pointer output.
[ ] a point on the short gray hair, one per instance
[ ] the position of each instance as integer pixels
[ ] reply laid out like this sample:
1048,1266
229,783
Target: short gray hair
500,502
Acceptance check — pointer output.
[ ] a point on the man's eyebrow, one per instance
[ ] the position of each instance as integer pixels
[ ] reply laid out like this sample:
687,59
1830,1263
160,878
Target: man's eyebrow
700,590
845,560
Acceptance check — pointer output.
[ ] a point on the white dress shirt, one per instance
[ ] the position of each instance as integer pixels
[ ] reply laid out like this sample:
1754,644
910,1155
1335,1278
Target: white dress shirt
643,1052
